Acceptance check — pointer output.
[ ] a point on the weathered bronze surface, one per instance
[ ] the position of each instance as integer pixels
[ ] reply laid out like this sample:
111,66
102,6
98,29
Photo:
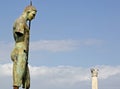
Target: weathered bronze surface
19,55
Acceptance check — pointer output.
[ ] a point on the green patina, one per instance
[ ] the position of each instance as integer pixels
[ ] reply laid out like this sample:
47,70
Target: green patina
19,54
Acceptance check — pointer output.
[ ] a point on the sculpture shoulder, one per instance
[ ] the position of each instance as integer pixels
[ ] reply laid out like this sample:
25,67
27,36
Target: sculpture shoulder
19,23
20,20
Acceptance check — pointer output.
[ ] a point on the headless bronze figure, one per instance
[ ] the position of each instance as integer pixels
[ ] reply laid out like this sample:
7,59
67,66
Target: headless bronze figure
19,55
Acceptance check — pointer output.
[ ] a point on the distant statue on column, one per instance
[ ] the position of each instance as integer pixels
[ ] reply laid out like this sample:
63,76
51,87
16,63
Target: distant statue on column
94,75
19,55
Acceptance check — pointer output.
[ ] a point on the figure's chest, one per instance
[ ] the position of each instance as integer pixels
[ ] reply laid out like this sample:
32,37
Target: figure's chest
26,30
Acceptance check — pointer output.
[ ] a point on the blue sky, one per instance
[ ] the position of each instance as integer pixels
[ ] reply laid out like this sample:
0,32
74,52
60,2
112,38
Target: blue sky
73,33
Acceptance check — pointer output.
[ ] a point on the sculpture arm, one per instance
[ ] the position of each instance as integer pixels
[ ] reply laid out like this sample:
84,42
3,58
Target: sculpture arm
19,29
18,32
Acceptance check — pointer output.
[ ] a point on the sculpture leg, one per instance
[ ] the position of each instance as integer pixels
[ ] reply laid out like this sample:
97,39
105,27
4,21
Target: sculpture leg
26,79
19,69
15,87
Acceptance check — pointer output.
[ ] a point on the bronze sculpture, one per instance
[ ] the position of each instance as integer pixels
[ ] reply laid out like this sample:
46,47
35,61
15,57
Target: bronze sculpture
19,55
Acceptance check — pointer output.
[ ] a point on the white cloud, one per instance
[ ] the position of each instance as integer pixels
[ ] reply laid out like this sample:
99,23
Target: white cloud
90,42
108,71
5,69
5,50
63,45
55,45
61,74
64,77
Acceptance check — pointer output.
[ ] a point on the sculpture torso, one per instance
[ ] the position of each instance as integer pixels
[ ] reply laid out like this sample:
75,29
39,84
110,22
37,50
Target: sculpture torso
21,34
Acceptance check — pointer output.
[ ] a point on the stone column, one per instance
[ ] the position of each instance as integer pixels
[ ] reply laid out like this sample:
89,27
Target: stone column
94,75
